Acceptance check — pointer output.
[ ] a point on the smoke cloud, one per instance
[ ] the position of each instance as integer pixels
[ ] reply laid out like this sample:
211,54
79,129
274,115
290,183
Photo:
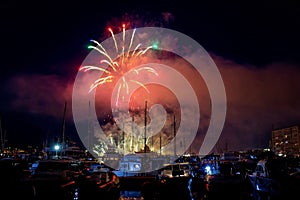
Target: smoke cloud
258,99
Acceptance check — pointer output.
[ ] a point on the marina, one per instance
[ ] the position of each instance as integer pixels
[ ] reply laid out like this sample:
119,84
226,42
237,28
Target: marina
210,178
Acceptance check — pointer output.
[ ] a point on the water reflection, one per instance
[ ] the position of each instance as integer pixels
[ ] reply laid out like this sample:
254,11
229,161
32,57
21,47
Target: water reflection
131,195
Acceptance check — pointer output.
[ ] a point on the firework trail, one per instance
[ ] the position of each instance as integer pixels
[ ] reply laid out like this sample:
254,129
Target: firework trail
116,68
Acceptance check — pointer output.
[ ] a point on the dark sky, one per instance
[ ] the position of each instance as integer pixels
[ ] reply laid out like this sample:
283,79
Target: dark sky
255,44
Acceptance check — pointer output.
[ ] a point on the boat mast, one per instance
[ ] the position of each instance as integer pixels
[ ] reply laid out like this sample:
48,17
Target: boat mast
123,138
174,137
145,136
89,131
131,139
2,137
160,144
63,127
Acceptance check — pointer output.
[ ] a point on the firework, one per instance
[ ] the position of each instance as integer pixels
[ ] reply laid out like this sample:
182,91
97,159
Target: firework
116,67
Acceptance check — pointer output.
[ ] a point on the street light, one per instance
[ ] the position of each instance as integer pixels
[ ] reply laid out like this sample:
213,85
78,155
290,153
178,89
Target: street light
56,147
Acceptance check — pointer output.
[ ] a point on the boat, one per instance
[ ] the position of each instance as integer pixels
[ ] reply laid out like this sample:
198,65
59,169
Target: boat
97,183
263,184
174,170
130,165
50,175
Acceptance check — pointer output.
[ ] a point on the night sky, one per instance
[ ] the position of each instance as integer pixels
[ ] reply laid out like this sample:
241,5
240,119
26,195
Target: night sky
255,45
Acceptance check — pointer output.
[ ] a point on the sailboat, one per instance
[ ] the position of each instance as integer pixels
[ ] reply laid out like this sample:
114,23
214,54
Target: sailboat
144,160
2,138
63,147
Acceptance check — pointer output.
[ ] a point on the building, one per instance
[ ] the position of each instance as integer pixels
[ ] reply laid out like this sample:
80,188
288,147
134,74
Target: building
286,141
